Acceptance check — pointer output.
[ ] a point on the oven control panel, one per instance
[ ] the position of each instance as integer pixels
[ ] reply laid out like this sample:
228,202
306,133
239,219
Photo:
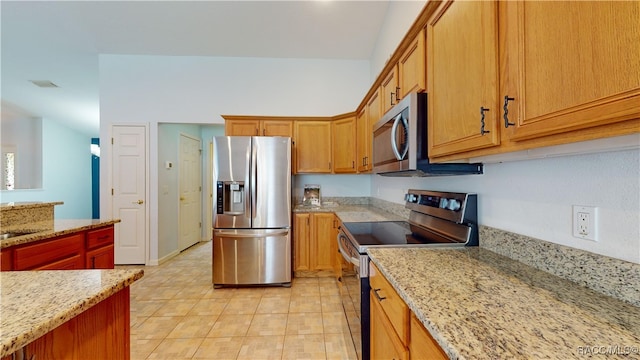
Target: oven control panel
435,201
457,207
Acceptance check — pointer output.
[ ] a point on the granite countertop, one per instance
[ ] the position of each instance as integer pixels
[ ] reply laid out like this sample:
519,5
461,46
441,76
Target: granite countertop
480,305
36,302
351,213
60,227
28,204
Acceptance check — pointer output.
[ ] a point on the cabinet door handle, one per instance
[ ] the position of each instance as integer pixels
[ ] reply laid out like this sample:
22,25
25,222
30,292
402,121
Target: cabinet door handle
506,111
397,92
93,262
375,292
264,132
391,98
482,111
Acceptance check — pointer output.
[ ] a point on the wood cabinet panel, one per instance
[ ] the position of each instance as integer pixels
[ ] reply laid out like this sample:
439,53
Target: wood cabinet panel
100,258
242,127
389,95
422,345
80,250
392,304
301,241
6,259
314,245
75,262
570,65
364,138
344,146
411,67
462,73
385,343
312,146
257,126
103,329
50,252
100,237
374,108
323,241
277,128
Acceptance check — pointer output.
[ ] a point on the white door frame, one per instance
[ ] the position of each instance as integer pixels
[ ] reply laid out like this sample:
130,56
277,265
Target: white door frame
106,197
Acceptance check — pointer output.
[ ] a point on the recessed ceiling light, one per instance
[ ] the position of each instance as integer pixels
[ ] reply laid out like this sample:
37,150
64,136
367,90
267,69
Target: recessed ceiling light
44,83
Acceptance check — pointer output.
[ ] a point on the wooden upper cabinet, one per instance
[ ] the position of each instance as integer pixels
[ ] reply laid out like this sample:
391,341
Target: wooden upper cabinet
571,65
364,138
241,127
374,108
344,146
246,126
389,90
462,77
312,146
411,67
276,128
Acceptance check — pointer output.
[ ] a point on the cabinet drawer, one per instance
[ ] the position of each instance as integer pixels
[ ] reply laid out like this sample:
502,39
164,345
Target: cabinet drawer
392,304
47,252
100,237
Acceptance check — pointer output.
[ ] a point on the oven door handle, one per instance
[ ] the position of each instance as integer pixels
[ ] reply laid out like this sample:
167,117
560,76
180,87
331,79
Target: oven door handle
354,261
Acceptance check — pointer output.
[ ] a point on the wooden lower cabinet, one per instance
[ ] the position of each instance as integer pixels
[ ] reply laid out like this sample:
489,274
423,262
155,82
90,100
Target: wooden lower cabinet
396,333
385,343
422,344
92,249
101,258
66,252
101,332
314,244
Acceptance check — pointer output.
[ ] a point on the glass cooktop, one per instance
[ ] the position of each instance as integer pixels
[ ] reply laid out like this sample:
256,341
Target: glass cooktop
388,233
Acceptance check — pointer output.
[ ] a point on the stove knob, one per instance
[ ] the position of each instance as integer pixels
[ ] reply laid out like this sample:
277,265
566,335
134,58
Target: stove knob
453,205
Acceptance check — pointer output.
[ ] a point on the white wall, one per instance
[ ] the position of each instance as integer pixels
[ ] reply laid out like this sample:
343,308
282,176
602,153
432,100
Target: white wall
535,198
196,90
66,169
400,16
333,185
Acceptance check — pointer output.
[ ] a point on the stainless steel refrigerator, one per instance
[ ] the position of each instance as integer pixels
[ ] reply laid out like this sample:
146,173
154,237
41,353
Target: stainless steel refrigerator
252,210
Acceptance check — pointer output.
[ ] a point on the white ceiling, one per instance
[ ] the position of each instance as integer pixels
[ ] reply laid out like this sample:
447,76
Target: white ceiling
60,41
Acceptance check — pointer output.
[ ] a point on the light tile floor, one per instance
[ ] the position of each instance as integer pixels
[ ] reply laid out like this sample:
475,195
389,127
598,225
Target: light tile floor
177,314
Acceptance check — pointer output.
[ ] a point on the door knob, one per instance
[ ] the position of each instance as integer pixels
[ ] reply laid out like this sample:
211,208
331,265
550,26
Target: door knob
181,198
139,202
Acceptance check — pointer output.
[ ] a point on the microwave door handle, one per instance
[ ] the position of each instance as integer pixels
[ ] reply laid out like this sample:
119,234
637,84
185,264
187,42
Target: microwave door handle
394,130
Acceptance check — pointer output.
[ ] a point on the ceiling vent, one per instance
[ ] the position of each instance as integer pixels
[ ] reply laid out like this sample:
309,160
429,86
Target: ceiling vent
44,83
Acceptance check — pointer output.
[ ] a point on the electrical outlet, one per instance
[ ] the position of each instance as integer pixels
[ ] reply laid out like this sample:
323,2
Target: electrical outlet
585,220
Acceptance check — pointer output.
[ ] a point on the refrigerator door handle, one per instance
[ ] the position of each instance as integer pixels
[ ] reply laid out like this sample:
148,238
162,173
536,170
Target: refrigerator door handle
254,180
244,234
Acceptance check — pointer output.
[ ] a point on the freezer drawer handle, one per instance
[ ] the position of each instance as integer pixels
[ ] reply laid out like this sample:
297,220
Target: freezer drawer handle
252,235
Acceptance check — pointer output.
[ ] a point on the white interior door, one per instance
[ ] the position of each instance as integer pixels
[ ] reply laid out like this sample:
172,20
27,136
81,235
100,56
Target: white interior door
190,183
129,191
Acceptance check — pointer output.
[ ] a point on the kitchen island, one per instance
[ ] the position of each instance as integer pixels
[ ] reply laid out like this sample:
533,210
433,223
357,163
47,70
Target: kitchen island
53,314
477,304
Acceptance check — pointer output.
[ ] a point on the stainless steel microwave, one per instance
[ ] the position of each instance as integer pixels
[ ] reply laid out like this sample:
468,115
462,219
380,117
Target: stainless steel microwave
400,145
